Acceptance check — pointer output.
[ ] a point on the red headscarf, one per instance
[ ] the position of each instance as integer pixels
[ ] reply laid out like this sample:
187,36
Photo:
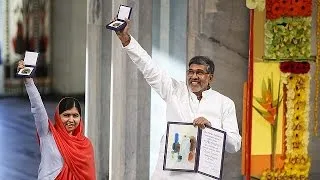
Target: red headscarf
76,150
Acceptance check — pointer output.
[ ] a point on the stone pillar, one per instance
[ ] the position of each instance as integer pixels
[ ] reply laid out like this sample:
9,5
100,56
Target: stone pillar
2,43
164,26
193,28
212,32
97,94
178,30
69,46
117,96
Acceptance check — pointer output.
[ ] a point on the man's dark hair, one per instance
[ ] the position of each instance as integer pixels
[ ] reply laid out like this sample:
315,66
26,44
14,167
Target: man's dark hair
203,60
68,103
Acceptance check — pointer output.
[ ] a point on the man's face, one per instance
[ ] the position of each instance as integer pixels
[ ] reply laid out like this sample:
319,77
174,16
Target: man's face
198,78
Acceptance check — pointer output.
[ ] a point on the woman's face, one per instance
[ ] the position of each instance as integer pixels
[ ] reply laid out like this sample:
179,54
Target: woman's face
70,119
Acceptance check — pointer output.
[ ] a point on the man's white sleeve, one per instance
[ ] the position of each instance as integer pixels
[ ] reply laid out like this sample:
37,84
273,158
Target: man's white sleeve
230,125
158,79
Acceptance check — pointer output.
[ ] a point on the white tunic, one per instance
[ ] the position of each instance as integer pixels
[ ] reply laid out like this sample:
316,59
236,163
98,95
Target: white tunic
183,105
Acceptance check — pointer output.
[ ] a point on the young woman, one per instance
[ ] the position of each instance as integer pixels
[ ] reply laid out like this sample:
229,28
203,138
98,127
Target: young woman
66,154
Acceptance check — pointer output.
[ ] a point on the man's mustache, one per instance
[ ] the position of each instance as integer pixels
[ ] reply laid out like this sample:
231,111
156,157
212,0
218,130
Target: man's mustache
193,80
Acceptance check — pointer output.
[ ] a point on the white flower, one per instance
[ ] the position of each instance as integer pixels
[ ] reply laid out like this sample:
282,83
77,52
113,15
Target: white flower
256,4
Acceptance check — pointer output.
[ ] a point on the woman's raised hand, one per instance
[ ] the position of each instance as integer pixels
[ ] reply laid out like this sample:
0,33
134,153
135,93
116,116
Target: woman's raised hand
20,65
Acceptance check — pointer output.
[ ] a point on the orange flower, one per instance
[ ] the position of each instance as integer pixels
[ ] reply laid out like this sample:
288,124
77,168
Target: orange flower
297,2
268,96
272,111
281,8
268,102
284,3
292,10
266,105
305,9
269,118
277,10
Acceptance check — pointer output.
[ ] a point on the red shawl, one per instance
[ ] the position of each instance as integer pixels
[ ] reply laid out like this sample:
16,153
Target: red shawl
76,150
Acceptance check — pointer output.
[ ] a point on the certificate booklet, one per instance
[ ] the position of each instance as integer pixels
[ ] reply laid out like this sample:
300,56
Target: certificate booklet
192,149
30,61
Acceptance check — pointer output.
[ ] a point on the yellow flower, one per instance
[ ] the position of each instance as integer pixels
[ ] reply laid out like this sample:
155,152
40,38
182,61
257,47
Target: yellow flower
283,175
290,94
300,96
297,117
300,176
289,132
297,162
284,77
301,81
300,107
292,80
290,106
267,174
298,135
304,77
306,137
298,126
299,85
297,145
289,169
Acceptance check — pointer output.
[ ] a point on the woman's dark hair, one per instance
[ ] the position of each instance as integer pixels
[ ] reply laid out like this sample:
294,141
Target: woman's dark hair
68,103
203,60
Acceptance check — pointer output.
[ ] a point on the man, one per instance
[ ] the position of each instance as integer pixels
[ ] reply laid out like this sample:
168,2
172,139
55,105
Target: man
193,101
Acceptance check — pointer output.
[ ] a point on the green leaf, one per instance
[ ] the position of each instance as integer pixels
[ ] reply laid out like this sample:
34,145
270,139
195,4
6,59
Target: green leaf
263,89
276,101
259,100
261,112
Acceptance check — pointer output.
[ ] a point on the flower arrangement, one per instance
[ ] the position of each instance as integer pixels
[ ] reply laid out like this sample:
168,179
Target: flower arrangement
297,162
288,38
297,111
288,8
256,4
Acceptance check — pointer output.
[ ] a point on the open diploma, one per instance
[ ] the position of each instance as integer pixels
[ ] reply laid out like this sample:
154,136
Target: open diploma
192,149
